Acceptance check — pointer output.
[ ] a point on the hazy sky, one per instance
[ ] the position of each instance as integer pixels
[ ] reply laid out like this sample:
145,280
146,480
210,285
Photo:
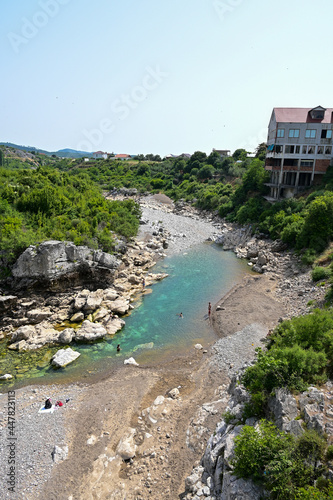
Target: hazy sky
158,76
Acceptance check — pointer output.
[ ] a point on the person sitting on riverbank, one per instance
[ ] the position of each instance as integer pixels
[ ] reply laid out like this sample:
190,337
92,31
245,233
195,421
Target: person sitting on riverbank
48,404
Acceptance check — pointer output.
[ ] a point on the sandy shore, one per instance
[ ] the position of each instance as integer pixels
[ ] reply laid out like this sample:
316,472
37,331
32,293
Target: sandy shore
170,434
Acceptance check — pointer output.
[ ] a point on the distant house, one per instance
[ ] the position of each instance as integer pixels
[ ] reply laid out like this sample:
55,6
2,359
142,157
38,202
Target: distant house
222,152
299,149
122,157
100,154
183,155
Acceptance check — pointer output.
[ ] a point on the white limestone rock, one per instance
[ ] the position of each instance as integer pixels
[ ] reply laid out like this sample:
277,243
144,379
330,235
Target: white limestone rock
63,357
90,331
126,448
131,361
59,454
174,393
66,336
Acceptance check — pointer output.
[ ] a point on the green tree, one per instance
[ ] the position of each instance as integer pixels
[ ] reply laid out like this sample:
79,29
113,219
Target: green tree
239,154
261,151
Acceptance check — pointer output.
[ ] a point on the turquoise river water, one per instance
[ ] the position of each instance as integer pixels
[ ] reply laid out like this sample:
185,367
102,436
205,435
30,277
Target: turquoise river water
154,331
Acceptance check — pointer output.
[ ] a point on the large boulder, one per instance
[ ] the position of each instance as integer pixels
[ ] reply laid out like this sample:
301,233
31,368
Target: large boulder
126,448
63,357
113,325
90,331
52,260
94,300
119,306
7,302
66,336
23,333
37,315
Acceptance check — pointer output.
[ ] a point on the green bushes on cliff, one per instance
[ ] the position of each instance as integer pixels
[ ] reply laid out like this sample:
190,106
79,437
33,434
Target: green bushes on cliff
300,352
41,204
285,465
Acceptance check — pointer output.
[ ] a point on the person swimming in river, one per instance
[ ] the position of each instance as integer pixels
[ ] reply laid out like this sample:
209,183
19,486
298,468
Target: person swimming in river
118,347
180,315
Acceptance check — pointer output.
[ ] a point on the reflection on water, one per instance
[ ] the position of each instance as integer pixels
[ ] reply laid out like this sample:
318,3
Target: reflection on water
154,329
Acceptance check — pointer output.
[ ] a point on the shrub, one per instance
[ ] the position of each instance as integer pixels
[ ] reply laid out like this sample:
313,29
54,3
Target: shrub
279,461
320,273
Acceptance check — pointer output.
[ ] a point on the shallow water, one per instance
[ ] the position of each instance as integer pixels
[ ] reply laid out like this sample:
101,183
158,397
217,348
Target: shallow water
154,331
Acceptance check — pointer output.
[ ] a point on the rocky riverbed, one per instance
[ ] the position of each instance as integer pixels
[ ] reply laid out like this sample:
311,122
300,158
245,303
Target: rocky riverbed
137,433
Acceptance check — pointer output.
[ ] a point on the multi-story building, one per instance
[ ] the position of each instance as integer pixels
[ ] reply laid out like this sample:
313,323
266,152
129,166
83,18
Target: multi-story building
299,149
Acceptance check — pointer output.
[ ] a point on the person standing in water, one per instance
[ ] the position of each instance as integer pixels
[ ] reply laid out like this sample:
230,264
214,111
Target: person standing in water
209,308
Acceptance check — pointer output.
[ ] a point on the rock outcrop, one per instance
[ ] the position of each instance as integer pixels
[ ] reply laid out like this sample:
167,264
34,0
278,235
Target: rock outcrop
214,477
52,260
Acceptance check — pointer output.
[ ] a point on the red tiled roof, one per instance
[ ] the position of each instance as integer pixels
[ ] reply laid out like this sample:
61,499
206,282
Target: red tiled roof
300,115
123,156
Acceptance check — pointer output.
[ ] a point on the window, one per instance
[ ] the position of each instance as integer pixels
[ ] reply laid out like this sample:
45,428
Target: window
326,134
320,150
306,163
310,133
289,149
311,150
294,132
280,132
297,149
304,149
278,148
290,162
328,150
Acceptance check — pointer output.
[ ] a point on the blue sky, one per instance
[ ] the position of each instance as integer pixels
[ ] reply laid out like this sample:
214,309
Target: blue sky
158,76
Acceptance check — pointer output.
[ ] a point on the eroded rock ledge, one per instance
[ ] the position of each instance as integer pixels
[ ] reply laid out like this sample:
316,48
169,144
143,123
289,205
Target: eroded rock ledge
213,478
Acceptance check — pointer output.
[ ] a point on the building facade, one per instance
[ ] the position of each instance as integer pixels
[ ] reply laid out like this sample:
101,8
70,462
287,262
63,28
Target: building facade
299,149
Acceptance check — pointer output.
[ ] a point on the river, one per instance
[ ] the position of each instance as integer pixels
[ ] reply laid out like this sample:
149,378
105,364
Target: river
154,330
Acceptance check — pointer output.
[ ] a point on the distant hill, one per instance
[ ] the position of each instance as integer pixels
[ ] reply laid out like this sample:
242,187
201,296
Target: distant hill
64,153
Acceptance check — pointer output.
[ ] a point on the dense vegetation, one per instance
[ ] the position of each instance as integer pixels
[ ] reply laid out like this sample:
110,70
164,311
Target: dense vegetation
299,353
233,186
285,465
44,203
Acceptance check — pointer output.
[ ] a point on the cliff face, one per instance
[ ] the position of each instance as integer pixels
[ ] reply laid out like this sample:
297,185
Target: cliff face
214,476
58,261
